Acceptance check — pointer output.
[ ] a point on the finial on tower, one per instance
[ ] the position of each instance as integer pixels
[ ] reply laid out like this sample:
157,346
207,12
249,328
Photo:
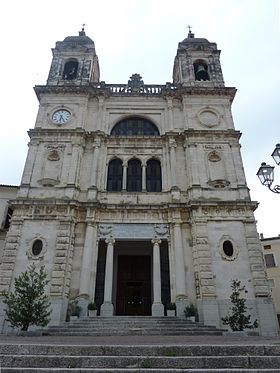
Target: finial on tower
82,33
190,34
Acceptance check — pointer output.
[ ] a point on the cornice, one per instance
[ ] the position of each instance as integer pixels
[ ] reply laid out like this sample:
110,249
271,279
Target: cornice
120,90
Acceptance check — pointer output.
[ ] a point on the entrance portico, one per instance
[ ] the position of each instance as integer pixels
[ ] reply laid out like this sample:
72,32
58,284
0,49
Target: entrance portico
133,273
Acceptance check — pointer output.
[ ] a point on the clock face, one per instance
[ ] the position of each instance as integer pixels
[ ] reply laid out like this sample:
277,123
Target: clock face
61,116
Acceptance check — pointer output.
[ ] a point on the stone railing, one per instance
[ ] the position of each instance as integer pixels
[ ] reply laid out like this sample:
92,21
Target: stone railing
135,89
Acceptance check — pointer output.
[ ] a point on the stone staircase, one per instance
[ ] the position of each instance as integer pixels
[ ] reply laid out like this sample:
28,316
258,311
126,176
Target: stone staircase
44,358
132,325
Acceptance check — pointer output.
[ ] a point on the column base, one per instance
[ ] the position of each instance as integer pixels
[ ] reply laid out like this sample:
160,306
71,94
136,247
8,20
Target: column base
157,309
107,309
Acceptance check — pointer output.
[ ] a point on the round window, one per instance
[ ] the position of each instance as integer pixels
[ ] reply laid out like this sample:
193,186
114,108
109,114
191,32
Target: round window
37,247
228,248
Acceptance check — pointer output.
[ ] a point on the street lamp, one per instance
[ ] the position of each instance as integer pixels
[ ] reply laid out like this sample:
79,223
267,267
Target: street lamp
266,172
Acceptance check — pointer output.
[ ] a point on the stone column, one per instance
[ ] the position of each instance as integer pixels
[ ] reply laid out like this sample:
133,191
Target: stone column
172,146
181,298
124,176
74,164
94,164
157,307
107,308
29,164
86,268
144,177
100,112
92,191
170,113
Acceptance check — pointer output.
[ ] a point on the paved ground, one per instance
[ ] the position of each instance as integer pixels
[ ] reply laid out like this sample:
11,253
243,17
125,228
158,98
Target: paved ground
139,340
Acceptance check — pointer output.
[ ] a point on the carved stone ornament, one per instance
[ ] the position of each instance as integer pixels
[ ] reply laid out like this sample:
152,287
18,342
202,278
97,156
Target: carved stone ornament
214,156
161,230
53,155
105,230
235,248
218,184
31,253
209,117
133,231
136,83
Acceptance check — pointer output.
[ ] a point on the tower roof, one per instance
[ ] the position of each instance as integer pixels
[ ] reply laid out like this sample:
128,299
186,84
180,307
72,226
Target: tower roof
79,40
192,42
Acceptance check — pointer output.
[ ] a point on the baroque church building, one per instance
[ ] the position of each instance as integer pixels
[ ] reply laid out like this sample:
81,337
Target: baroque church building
133,195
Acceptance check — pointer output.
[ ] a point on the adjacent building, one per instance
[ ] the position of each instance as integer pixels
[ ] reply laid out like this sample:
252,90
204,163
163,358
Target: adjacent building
134,195
271,252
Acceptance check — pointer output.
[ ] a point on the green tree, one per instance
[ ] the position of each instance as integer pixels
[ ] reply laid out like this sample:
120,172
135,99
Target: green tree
237,319
28,304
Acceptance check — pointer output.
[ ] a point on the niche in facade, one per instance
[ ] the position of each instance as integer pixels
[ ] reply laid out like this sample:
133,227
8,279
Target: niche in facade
51,170
217,172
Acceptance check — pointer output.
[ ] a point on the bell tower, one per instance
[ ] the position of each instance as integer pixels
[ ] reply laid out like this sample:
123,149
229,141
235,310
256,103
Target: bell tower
197,63
74,62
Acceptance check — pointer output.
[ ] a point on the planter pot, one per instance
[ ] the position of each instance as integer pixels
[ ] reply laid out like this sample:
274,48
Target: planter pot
191,318
73,318
170,313
92,313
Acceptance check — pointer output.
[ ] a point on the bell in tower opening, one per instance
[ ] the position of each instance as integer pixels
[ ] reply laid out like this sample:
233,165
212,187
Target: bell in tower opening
200,71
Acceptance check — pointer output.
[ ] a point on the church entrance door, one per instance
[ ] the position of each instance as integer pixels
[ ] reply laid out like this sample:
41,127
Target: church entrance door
134,285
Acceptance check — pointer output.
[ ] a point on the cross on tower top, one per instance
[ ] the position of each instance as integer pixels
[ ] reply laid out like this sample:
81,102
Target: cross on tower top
190,34
82,33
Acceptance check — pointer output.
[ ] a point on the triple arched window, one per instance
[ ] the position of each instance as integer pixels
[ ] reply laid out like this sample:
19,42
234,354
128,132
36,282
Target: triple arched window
135,177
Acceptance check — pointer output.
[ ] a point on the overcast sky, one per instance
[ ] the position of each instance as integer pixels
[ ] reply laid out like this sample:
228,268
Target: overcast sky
141,36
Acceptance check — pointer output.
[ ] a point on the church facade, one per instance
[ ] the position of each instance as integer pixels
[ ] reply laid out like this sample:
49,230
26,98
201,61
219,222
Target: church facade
133,195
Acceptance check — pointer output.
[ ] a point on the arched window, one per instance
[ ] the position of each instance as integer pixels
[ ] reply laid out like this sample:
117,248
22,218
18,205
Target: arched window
201,70
134,176
70,70
153,176
135,126
115,176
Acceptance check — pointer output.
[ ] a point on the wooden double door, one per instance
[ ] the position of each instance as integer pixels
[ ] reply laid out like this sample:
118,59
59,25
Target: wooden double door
134,285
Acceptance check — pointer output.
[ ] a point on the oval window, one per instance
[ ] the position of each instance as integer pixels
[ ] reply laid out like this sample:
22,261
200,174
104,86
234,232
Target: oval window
228,248
37,247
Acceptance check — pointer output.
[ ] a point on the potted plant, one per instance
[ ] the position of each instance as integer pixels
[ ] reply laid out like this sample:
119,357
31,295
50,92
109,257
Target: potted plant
73,310
92,309
191,312
171,309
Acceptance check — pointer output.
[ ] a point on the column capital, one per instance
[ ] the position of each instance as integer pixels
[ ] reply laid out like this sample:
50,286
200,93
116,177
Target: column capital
110,241
156,241
172,143
90,223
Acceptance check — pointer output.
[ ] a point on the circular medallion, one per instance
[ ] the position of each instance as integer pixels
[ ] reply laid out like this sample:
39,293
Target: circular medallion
208,118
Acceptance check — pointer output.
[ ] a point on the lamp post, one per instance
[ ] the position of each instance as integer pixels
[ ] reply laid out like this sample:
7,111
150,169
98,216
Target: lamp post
266,172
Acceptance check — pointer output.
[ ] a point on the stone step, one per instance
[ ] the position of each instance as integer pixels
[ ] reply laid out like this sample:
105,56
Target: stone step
140,350
146,358
140,362
135,331
116,370
131,325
